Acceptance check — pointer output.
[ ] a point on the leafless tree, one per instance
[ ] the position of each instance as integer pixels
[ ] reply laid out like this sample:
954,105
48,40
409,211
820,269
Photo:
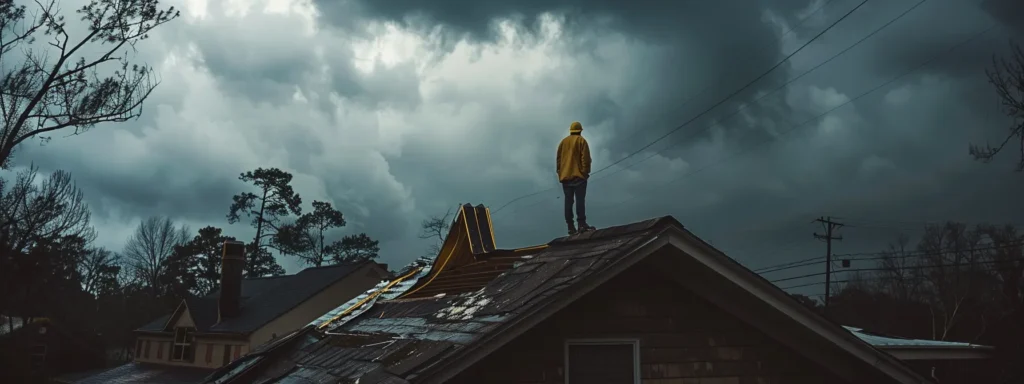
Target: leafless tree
46,88
952,269
898,275
32,212
1007,76
152,243
1007,260
436,228
98,268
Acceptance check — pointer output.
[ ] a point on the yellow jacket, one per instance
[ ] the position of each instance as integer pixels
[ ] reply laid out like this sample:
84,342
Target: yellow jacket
573,158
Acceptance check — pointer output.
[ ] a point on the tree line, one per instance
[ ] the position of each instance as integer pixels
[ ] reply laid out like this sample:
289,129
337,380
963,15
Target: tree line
956,283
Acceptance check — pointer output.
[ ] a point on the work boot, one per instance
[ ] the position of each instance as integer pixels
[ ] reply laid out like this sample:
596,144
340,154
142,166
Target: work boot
584,227
572,229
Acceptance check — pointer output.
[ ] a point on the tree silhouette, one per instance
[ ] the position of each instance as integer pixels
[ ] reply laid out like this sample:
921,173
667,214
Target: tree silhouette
59,85
194,267
148,248
275,199
435,228
1007,76
306,237
354,248
260,263
32,212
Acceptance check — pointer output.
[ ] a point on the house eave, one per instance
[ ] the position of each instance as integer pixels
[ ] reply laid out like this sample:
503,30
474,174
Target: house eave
942,353
779,299
225,335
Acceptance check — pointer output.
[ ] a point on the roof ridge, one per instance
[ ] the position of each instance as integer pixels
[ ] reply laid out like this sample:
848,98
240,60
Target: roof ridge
342,264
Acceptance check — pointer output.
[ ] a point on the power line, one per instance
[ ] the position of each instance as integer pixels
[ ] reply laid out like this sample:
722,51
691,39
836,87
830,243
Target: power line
875,278
779,88
619,204
880,256
957,264
720,102
830,226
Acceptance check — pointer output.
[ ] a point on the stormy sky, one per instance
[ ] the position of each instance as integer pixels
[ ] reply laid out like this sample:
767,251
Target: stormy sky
395,110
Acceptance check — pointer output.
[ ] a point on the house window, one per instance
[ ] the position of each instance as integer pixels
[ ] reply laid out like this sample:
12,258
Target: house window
38,359
145,350
602,362
138,348
182,350
209,353
227,355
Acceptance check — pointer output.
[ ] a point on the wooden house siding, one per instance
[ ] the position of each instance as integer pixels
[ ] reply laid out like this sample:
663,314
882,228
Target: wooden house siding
683,339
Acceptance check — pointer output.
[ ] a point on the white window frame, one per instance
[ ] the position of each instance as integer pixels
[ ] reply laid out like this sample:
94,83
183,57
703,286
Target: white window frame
189,331
577,342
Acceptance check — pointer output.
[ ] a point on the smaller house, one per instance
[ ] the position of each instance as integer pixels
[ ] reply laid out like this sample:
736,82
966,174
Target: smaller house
945,361
38,350
205,333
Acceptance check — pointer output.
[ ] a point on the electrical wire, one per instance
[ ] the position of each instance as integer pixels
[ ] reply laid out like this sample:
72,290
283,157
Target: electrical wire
619,204
957,264
777,89
876,278
878,255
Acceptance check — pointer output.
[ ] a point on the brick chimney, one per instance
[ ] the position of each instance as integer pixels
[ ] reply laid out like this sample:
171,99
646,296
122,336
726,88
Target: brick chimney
231,266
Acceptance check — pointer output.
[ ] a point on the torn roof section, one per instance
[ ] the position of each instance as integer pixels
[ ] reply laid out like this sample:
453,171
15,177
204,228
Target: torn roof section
468,250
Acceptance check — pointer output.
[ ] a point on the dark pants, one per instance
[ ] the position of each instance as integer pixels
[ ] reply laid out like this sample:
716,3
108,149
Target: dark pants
575,191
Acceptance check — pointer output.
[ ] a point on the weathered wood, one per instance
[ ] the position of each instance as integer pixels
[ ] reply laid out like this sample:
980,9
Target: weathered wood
683,340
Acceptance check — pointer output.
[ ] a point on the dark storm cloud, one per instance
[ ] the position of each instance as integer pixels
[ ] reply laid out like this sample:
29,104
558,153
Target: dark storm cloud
937,26
1009,12
177,187
712,45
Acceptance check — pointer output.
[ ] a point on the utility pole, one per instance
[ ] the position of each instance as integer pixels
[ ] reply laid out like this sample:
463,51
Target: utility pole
830,226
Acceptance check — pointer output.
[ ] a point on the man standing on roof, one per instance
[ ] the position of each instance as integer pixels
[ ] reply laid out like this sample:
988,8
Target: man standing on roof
572,163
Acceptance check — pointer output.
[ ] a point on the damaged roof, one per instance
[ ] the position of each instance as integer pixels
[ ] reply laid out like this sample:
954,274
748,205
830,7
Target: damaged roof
434,315
147,373
263,300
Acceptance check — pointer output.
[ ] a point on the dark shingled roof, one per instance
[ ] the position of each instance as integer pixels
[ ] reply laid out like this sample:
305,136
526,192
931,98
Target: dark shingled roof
263,299
148,373
434,319
397,339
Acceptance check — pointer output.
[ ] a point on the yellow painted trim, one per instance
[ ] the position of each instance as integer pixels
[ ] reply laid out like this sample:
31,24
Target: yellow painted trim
371,296
185,304
480,230
465,224
434,273
533,248
490,225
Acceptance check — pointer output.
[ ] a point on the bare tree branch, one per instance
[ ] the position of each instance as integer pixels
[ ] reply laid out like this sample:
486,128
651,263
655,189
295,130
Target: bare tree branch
1007,77
151,244
39,97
